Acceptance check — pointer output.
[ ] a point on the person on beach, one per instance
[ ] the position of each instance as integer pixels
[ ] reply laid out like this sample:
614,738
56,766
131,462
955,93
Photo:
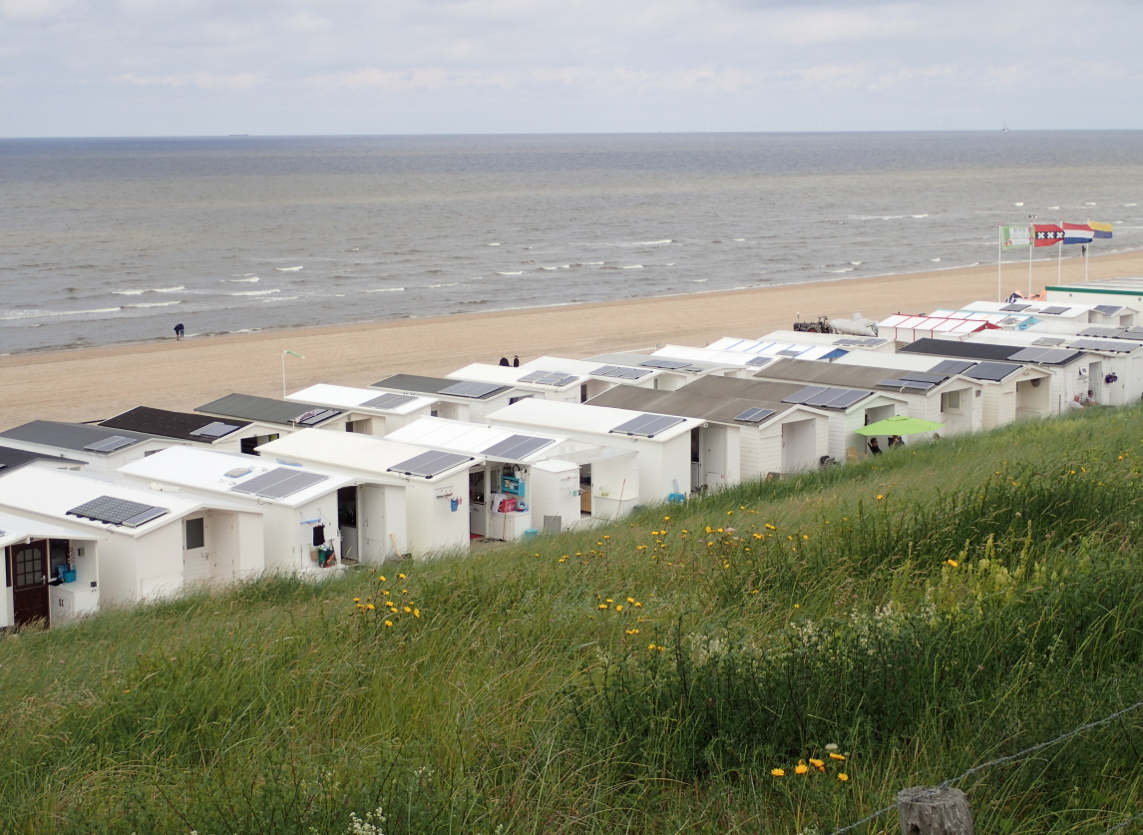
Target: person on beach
874,447
179,331
515,361
504,361
896,440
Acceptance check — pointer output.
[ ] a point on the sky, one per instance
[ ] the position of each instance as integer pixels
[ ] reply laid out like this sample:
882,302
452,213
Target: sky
294,67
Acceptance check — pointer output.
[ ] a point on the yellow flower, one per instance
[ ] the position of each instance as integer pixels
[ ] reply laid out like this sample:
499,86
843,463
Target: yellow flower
953,563
778,772
630,599
770,527
631,631
879,497
381,578
388,623
638,605
835,756
666,518
619,607
816,763
416,613
801,768
402,577
602,605
843,777
357,600
370,607
408,610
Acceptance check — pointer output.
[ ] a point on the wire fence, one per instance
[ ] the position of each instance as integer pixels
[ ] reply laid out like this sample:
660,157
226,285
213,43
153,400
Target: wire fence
1007,759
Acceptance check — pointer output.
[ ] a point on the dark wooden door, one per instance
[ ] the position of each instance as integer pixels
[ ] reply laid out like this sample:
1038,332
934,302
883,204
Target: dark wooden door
30,581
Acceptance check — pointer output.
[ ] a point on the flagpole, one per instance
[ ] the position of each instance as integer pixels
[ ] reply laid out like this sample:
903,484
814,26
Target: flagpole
1086,251
1060,257
1033,246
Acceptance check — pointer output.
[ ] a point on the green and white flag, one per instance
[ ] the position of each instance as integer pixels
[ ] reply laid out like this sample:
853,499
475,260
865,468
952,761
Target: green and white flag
1015,236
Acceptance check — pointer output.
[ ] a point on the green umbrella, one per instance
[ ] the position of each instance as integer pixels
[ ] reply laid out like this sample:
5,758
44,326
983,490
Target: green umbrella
899,425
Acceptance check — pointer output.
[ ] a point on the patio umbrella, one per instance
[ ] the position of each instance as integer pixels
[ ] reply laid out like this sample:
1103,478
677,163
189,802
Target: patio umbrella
899,425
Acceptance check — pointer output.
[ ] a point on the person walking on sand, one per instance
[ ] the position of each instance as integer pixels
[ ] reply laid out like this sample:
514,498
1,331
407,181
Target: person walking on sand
504,361
515,361
179,331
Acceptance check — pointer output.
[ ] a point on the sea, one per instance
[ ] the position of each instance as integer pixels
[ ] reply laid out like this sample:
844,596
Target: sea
106,241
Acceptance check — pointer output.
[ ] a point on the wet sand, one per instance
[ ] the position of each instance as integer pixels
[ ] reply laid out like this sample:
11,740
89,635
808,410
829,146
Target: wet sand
96,383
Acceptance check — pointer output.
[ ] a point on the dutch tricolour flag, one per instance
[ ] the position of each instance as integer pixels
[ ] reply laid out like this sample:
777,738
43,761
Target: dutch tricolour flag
1077,233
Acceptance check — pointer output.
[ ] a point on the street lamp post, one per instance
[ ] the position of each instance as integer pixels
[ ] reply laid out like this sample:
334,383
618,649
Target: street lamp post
292,354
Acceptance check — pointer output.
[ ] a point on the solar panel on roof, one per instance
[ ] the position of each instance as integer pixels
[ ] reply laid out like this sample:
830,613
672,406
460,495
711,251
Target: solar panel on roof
952,367
115,511
994,371
110,444
1028,354
215,430
1015,308
758,361
634,373
874,343
791,352
754,415
1049,341
430,464
663,363
1101,331
606,371
647,425
1119,347
467,389
517,447
388,402
1055,311
315,416
919,385
278,483
533,376
802,395
1108,309
847,398
823,397
834,354
557,379
925,377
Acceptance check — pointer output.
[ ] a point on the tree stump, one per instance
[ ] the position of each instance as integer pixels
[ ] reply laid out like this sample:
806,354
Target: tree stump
930,810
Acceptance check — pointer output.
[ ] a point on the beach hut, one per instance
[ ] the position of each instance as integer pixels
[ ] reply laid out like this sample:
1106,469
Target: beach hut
51,571
529,481
409,499
228,435
905,328
662,444
282,416
739,439
101,450
153,542
368,411
456,399
736,363
675,372
545,383
1043,387
297,508
597,378
12,459
845,407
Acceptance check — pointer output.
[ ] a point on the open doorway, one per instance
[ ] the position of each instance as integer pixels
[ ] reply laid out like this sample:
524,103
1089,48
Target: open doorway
347,524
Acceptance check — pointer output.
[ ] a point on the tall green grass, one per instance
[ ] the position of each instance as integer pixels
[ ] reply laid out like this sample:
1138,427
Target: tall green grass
942,606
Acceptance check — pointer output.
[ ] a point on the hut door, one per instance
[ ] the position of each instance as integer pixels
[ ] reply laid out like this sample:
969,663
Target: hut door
29,569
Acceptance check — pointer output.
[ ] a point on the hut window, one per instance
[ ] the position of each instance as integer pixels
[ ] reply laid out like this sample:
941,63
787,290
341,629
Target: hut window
195,532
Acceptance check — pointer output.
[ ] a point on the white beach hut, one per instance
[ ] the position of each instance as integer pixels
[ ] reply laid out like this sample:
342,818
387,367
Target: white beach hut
51,571
297,508
228,435
409,494
154,542
530,481
662,444
281,416
597,378
96,449
368,411
456,399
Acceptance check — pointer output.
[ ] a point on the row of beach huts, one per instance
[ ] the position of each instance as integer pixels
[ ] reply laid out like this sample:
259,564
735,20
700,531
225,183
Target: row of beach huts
144,504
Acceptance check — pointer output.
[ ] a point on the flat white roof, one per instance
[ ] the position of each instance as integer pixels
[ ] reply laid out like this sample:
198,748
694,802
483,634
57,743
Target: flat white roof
781,348
349,451
731,358
942,324
53,493
579,417
209,471
898,362
15,529
478,439
508,375
349,397
1037,308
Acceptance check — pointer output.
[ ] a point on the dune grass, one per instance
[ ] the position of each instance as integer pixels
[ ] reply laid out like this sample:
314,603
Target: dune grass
926,612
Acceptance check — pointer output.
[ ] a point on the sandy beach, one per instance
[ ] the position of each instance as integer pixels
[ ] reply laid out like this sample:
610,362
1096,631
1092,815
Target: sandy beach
97,383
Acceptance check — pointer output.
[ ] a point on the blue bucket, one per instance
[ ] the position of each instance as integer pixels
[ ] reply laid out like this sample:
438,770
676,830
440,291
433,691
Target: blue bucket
69,575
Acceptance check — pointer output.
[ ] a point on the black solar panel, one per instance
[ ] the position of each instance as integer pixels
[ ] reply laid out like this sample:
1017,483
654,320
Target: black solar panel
430,464
754,415
847,397
1108,309
467,389
791,352
1049,341
388,402
278,483
115,511
664,363
110,444
1015,308
558,379
1054,311
315,416
1117,346
534,376
215,430
822,398
647,425
1101,331
916,385
757,361
952,367
1029,354
995,371
517,447
802,395
925,377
